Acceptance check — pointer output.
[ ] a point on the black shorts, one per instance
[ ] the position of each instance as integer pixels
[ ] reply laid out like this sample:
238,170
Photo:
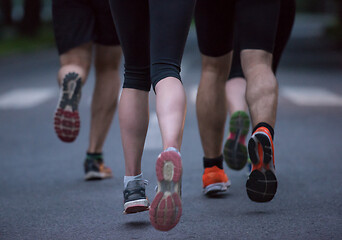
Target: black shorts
256,22
77,22
285,24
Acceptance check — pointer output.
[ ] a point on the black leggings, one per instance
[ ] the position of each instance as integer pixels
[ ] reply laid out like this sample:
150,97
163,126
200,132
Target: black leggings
152,35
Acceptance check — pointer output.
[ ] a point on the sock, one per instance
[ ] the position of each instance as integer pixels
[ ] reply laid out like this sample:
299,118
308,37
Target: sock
97,156
211,162
172,149
127,179
266,125
94,155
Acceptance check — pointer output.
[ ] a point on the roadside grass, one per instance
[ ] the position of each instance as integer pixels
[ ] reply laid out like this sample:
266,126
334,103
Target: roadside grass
12,42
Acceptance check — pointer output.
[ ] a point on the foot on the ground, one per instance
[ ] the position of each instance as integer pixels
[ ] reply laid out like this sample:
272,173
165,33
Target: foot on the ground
135,199
95,169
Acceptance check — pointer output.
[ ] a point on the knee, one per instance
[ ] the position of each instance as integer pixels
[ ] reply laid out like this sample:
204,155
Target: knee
108,59
255,60
137,78
162,70
217,66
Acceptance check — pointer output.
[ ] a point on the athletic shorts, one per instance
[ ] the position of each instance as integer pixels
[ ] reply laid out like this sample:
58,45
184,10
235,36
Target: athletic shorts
285,24
256,22
77,22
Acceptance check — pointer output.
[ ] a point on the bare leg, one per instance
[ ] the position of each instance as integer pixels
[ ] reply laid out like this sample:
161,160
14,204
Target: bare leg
235,151
105,95
76,60
72,75
262,86
133,117
171,109
211,103
262,98
236,95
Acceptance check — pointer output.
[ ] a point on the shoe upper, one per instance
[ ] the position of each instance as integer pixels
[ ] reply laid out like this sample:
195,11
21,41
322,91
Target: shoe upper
135,190
213,175
95,164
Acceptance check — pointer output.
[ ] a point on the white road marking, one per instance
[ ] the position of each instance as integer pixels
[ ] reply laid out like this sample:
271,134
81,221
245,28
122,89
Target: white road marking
26,97
153,138
301,96
311,96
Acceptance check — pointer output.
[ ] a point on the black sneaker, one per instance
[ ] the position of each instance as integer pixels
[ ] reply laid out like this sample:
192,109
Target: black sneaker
95,169
135,199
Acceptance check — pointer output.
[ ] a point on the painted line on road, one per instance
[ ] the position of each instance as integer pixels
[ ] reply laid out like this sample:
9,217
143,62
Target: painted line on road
301,96
153,138
311,96
26,98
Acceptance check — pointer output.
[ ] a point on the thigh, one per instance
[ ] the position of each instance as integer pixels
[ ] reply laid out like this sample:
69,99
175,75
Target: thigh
236,68
257,23
80,56
73,23
104,29
214,26
170,23
131,18
107,57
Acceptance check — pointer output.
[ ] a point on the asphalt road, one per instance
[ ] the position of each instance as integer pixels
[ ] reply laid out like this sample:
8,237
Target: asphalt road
43,194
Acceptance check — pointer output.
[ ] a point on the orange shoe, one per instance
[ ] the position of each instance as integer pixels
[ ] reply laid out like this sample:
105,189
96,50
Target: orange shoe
262,183
214,180
95,169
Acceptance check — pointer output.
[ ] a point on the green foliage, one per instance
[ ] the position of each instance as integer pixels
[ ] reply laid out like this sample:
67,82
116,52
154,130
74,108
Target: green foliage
12,42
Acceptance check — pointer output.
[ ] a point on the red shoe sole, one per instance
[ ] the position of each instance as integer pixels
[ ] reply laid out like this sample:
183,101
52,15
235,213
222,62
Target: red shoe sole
67,124
166,208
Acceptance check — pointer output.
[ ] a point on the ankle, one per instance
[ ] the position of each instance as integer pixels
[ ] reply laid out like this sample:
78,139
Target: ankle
267,126
211,162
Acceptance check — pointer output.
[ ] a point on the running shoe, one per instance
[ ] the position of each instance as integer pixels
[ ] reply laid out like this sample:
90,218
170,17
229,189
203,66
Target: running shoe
235,151
166,208
95,169
214,181
262,183
135,199
67,120
249,166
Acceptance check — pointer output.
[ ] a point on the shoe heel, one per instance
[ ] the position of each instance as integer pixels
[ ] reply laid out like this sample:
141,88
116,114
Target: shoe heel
166,207
266,147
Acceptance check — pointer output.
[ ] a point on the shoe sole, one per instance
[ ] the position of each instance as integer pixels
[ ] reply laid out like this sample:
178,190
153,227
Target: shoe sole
216,188
235,153
136,206
166,208
67,119
262,183
92,175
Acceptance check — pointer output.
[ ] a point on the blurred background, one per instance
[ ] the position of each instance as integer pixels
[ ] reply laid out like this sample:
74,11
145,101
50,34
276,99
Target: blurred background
42,192
26,25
